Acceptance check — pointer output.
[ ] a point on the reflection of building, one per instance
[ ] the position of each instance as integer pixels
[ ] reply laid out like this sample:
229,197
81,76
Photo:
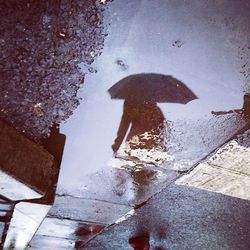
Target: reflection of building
246,104
28,173
6,211
27,161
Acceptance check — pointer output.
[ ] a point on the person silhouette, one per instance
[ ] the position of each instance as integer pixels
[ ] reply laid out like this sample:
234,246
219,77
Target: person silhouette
145,125
140,144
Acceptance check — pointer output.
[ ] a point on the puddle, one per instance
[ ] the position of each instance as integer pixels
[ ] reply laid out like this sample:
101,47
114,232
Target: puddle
15,190
101,131
140,242
65,234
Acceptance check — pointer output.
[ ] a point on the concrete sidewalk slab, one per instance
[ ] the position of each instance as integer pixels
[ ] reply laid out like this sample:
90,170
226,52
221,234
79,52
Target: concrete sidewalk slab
88,210
63,234
181,218
207,208
227,171
48,242
124,185
72,222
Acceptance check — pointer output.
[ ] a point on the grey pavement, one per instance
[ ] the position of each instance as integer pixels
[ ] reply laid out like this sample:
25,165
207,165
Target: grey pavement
183,217
195,212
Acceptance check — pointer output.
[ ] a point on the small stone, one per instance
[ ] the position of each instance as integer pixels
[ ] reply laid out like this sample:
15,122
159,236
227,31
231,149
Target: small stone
62,34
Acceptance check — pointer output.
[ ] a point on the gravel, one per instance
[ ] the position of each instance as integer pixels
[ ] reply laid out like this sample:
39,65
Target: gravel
46,48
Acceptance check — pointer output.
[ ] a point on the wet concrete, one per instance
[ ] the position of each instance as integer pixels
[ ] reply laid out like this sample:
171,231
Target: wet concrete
127,186
88,210
16,190
6,211
203,45
207,208
227,171
63,234
183,218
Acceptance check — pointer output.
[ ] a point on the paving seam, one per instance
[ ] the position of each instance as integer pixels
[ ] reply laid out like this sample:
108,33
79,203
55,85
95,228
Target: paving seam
83,221
229,170
109,202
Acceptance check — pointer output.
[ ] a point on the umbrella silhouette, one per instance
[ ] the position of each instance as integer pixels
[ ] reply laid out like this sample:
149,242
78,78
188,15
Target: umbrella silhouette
152,87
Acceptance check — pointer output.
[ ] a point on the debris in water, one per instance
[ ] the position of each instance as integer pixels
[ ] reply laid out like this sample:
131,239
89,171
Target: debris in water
140,242
121,64
177,44
62,34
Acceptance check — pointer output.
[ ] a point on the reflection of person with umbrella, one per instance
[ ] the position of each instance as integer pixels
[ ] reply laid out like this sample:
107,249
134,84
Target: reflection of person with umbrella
146,139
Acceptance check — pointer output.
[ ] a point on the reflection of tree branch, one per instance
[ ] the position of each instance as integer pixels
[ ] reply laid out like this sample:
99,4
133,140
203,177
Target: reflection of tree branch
12,244
217,113
244,111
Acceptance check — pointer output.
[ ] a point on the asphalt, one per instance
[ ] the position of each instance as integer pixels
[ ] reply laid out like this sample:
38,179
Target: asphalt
183,218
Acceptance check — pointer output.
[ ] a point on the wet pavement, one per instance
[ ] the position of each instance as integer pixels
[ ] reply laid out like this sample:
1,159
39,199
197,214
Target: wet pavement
202,209
183,218
205,209
226,172
166,87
